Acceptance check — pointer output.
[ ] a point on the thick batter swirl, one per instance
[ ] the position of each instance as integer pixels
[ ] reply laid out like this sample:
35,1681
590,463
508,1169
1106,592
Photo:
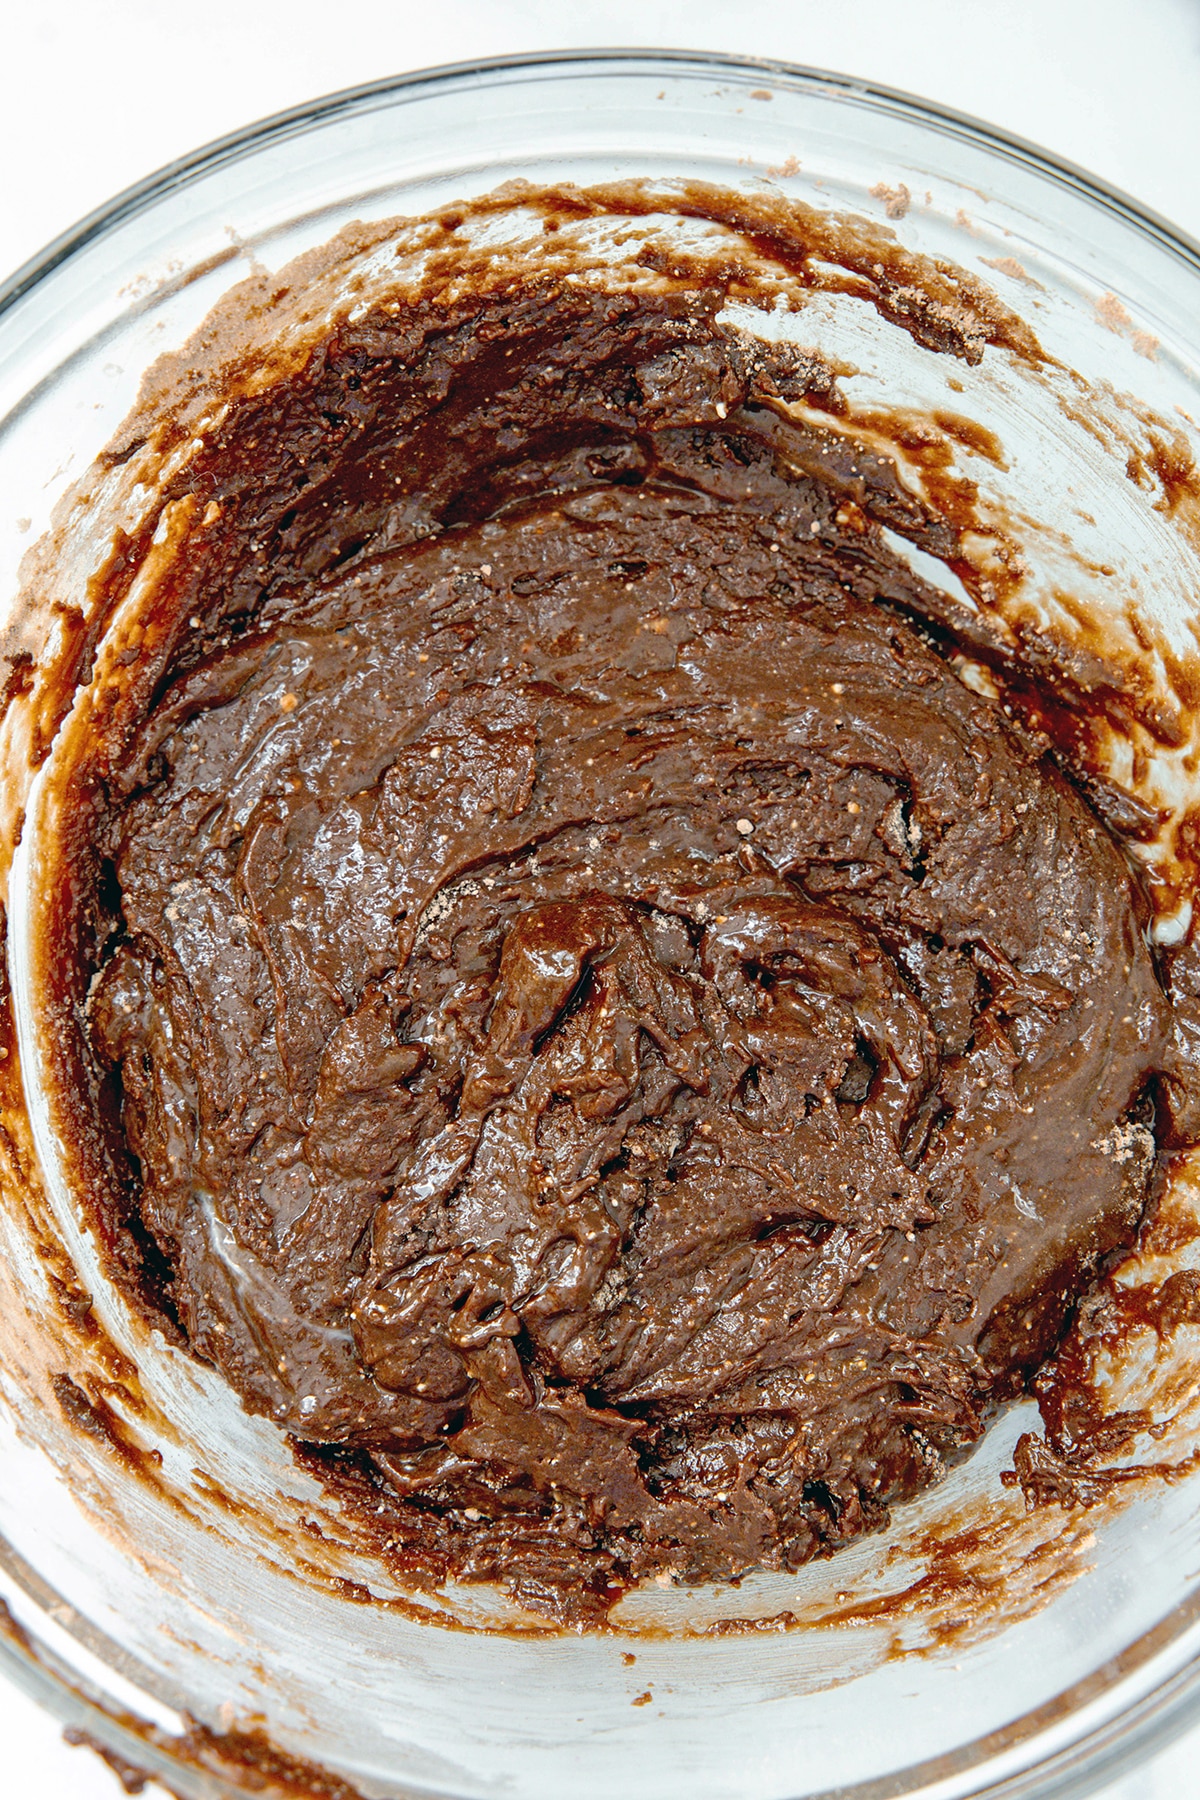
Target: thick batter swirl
602,1021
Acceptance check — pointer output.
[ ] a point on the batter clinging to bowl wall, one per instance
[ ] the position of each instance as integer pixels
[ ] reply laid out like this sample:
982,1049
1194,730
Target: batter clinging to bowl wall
592,1024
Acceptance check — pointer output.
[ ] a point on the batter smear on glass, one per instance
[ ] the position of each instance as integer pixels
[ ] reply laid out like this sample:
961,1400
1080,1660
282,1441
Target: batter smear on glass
600,1032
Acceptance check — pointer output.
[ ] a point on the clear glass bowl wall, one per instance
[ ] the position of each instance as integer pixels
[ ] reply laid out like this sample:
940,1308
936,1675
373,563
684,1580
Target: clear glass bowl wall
203,1626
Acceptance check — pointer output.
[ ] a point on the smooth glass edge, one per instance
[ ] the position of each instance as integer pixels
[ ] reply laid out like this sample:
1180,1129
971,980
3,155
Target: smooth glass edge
1166,1710
1059,170
1108,1751
92,1639
1112,1750
1107,1748
32,1671
74,1711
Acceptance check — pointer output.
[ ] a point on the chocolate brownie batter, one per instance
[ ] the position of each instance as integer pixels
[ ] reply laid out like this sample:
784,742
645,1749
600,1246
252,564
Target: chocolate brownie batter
599,1027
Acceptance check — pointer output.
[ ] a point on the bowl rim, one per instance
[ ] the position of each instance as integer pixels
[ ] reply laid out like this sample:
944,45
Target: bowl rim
232,145
1110,1747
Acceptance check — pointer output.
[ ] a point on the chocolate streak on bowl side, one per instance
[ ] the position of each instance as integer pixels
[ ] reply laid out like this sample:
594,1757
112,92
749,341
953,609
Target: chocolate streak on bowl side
564,996
247,1757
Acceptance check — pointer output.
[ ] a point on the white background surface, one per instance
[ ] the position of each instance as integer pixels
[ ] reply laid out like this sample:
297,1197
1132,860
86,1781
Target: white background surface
94,94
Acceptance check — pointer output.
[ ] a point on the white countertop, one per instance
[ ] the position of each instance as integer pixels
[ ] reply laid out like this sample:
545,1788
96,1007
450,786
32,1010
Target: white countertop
99,94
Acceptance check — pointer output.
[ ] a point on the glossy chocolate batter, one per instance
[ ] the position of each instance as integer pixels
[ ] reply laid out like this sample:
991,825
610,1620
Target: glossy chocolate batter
599,1026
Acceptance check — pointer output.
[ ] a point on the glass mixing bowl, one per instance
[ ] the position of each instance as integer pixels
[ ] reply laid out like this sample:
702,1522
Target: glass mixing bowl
133,1614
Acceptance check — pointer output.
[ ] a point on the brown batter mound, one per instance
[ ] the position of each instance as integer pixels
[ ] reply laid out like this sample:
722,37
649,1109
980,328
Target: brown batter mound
600,1028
